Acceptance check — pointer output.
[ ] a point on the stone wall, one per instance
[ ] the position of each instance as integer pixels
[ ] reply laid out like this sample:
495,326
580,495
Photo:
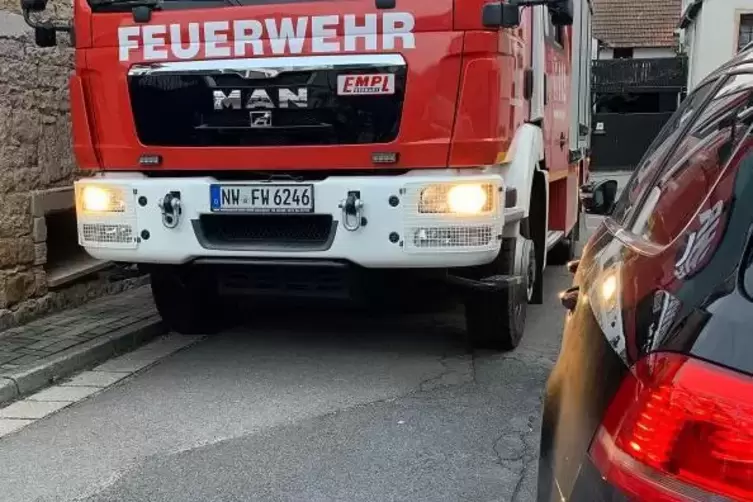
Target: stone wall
35,159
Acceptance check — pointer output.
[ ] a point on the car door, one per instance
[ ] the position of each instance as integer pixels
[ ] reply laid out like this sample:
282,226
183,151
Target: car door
668,223
556,96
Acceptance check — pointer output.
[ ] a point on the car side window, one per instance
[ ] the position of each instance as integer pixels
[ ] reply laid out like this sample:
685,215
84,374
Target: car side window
650,164
697,162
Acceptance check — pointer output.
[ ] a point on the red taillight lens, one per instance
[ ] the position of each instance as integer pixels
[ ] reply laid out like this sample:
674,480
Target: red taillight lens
679,429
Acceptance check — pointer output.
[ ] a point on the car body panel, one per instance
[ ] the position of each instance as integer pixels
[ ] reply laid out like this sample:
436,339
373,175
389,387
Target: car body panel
684,293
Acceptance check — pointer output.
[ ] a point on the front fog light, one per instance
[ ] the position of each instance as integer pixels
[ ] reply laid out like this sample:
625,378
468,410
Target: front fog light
464,199
100,199
467,199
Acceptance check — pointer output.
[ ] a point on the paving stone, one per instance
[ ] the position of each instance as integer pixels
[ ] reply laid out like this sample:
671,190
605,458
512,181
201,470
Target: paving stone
42,344
27,359
30,410
96,379
127,363
62,345
19,340
23,351
33,352
8,425
63,393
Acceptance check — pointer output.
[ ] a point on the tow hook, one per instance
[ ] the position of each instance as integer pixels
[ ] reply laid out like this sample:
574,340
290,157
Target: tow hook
171,209
352,209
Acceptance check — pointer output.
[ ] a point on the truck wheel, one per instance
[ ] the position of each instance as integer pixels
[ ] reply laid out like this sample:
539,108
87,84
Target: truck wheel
187,304
497,321
564,250
535,229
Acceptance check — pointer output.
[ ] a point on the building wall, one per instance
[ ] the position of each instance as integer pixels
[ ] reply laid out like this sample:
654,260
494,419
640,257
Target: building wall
37,167
34,151
653,52
712,38
638,53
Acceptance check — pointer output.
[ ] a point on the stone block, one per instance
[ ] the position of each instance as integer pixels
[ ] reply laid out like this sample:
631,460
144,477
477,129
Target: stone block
40,253
40,282
16,156
39,230
56,153
22,126
18,72
6,318
15,215
8,252
52,200
26,311
54,69
25,250
16,287
20,179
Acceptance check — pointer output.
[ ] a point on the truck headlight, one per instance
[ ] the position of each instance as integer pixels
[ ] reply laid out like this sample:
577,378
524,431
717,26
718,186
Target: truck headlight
462,199
101,199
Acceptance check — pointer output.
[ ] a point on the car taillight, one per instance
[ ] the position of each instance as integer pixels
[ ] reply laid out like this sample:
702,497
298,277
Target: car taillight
679,429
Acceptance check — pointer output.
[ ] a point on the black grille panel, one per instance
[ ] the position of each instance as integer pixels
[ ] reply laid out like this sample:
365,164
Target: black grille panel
308,281
306,232
178,110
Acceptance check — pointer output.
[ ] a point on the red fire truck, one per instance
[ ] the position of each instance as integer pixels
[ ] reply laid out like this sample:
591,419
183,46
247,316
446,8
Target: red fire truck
290,146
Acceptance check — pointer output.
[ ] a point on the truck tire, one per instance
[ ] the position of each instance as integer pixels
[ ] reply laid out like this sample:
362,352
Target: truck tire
497,321
564,250
534,228
188,305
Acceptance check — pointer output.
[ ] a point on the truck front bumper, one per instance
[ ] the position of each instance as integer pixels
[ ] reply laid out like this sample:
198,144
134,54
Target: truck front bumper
395,224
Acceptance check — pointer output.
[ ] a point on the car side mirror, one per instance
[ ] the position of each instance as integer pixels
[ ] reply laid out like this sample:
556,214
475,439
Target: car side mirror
599,198
45,32
45,36
497,15
561,12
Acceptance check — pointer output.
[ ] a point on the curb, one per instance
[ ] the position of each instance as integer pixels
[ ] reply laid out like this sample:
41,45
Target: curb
8,390
30,379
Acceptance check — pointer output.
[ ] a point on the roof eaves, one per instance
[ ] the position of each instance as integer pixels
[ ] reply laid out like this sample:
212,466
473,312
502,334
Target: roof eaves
690,13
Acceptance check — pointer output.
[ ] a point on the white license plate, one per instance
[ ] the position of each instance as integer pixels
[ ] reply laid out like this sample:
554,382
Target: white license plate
263,198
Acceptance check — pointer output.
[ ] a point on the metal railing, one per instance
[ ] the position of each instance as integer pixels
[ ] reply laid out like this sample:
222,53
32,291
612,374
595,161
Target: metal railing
641,75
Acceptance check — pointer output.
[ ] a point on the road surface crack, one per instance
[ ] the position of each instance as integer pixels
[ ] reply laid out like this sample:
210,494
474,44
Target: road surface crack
517,446
530,456
457,370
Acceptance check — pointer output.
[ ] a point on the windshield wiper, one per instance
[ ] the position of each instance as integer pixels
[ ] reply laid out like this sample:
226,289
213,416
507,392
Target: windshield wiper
142,9
127,3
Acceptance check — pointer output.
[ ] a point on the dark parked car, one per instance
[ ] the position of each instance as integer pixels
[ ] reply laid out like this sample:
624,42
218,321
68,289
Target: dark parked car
652,396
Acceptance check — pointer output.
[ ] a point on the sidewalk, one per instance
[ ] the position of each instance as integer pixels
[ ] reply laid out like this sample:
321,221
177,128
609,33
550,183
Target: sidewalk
44,351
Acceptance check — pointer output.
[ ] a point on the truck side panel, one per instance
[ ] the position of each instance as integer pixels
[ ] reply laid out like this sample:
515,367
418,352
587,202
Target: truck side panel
564,184
558,43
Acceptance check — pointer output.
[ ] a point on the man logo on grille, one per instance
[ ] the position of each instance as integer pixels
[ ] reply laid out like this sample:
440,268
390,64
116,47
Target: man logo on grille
261,119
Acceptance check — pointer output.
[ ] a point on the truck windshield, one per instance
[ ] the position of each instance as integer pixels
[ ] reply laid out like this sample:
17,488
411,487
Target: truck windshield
110,5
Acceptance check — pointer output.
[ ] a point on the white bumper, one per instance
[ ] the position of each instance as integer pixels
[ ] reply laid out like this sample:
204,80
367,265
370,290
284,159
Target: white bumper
393,237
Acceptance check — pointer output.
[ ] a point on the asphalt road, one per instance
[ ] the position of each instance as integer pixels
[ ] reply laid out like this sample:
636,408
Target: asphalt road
306,405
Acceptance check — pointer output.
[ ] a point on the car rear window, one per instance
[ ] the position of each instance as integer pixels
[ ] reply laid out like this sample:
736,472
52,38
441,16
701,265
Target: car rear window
700,158
649,166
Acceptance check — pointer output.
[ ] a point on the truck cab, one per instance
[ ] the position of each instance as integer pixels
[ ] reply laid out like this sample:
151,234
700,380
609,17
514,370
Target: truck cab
288,146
